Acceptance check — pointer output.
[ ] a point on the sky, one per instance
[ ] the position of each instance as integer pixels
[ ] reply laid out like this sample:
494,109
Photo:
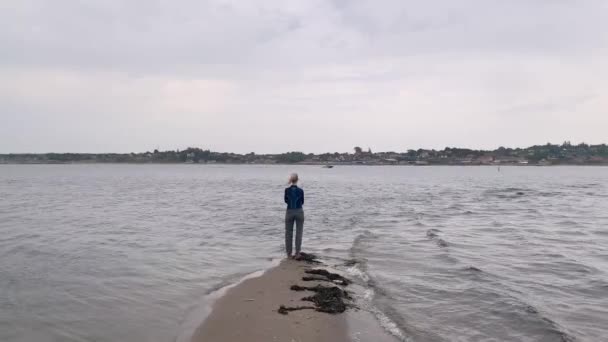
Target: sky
271,76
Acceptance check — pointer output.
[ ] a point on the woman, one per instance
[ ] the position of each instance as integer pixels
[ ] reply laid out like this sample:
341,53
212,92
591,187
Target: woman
294,197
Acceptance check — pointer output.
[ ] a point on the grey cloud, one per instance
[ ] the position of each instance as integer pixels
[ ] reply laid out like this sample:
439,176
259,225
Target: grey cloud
153,34
199,72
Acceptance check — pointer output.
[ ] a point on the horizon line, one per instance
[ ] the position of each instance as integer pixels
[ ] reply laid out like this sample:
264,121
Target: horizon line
365,149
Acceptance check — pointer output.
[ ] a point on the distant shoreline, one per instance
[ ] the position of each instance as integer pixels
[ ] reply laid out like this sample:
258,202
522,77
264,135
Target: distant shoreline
538,155
295,164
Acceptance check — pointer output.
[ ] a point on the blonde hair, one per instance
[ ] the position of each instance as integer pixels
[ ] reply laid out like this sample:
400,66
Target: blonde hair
293,178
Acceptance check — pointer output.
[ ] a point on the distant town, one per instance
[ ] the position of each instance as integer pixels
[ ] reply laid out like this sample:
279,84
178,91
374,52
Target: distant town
549,154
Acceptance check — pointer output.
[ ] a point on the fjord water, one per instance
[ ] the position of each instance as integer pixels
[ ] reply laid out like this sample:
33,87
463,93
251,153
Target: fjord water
129,252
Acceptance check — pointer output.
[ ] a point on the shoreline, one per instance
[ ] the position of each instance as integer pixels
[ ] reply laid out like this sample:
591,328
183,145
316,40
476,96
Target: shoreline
201,311
248,311
305,164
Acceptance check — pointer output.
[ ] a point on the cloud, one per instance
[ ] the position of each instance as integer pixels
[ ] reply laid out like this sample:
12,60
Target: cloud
313,75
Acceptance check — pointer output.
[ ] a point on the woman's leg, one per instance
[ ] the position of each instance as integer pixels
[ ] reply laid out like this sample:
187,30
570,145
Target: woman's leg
299,217
289,220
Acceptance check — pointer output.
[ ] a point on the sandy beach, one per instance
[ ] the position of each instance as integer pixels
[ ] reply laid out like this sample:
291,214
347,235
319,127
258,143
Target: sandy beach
248,312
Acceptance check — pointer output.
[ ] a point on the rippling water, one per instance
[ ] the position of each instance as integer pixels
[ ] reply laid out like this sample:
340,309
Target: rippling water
128,252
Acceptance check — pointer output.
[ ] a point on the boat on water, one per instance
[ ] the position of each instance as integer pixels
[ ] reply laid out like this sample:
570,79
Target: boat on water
328,166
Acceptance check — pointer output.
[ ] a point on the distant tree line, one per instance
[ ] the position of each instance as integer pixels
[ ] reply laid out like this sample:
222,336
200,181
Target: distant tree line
565,153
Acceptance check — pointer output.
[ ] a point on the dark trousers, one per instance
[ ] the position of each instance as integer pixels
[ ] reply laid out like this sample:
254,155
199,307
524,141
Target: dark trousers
291,216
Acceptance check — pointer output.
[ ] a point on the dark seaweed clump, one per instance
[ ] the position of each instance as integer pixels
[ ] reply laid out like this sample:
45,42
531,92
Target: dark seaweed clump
283,310
328,299
324,275
308,257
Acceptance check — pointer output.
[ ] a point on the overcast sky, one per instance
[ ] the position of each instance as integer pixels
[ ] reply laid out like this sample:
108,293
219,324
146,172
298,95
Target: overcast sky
309,75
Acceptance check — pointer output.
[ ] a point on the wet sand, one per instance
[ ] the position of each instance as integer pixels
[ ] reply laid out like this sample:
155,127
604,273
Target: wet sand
248,312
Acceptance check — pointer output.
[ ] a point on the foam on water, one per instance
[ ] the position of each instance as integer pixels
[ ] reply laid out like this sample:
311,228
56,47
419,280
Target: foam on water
356,272
365,295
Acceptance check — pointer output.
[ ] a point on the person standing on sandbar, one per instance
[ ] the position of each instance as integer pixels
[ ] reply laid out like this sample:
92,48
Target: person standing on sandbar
294,197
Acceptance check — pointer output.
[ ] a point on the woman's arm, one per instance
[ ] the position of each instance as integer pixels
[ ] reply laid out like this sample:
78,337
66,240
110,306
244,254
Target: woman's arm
286,200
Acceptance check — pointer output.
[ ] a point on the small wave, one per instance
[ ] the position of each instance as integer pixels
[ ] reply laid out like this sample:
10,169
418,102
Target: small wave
572,232
432,233
389,325
360,240
553,326
366,234
505,190
584,186
549,193
596,288
385,322
357,272
442,243
370,290
600,232
575,266
235,279
568,223
530,314
507,193
514,193
552,255
368,294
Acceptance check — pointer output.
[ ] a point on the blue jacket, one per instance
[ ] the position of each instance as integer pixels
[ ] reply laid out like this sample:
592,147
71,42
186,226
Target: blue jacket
294,197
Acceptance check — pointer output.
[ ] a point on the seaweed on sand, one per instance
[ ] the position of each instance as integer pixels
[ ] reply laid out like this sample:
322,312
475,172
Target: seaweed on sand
328,299
284,310
325,275
308,257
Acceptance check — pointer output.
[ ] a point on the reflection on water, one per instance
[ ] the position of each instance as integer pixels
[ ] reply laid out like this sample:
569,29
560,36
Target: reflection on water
127,252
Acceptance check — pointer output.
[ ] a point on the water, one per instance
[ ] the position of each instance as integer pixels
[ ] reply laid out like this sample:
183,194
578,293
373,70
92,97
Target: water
129,252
